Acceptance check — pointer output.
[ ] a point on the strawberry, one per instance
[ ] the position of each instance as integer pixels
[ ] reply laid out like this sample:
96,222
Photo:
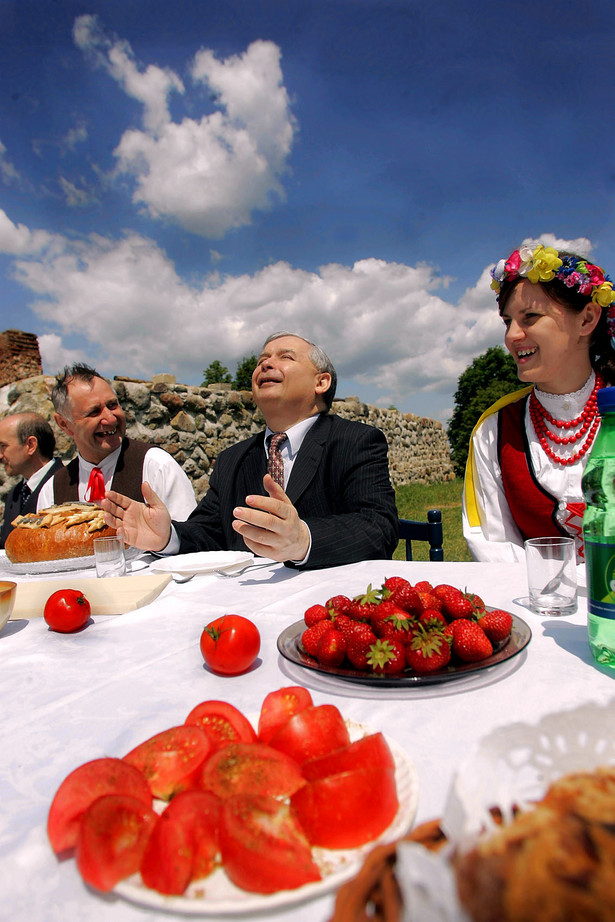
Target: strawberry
359,643
497,625
387,657
423,586
407,598
314,614
476,601
392,583
442,590
470,643
339,604
428,651
311,636
456,605
396,626
429,600
386,609
344,624
362,606
331,648
432,618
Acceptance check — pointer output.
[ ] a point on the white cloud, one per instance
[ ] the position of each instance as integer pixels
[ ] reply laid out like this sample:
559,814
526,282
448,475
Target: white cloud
209,174
387,326
75,196
55,355
8,171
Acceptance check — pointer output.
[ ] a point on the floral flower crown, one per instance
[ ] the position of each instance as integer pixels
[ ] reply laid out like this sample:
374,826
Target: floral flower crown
541,264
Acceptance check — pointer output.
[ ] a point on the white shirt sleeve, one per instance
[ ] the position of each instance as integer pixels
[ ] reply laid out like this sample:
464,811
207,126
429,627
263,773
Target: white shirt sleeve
170,483
497,538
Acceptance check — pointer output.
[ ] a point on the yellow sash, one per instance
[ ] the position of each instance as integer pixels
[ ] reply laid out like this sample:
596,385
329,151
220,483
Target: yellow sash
470,474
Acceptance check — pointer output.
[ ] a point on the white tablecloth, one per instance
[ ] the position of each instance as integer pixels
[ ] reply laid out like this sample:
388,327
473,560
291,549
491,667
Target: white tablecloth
70,698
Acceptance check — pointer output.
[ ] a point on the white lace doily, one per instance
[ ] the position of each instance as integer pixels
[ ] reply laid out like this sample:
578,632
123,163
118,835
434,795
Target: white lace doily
511,765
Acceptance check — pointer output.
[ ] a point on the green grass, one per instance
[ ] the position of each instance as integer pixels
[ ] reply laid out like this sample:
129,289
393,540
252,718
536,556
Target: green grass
413,502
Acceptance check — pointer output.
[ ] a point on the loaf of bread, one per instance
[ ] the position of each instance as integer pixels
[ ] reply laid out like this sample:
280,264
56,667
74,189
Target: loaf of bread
555,862
56,533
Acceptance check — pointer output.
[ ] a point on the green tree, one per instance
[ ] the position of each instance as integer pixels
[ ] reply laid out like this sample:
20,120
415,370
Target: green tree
243,375
485,380
216,373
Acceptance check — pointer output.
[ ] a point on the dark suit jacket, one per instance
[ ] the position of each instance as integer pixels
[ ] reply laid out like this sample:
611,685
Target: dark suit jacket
11,504
339,485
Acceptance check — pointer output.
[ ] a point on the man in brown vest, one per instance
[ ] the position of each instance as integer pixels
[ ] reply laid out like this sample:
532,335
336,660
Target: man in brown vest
87,410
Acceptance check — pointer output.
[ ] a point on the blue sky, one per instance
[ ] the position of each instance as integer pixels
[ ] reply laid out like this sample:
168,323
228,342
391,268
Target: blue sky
178,180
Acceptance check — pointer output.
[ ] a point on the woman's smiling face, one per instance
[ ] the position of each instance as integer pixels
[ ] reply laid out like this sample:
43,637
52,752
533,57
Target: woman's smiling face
549,342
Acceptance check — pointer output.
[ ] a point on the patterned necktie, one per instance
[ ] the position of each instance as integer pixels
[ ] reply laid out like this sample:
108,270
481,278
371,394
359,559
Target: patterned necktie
24,495
95,490
275,464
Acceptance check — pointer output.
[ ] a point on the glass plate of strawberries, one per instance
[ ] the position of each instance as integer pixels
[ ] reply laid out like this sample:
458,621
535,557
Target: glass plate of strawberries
404,635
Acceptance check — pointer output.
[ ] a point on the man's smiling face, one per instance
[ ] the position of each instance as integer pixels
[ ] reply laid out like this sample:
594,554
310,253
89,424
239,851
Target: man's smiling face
95,419
286,385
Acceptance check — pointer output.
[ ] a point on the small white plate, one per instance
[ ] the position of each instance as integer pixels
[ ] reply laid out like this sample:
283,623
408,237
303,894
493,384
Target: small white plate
202,562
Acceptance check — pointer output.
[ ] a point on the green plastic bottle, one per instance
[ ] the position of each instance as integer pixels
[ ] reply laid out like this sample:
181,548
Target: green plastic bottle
599,534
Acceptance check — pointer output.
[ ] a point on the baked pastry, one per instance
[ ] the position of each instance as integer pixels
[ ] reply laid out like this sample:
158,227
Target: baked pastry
67,530
555,862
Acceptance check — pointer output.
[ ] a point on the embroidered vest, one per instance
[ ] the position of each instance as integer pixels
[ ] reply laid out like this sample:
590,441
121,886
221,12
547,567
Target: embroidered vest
127,478
533,508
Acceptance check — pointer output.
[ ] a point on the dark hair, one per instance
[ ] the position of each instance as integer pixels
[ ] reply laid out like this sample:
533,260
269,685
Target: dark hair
601,351
319,359
30,424
77,372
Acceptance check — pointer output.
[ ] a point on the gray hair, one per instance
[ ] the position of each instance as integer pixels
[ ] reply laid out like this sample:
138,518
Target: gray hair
77,372
319,359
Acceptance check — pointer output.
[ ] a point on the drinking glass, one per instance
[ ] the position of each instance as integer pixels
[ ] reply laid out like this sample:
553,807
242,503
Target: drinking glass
109,556
551,575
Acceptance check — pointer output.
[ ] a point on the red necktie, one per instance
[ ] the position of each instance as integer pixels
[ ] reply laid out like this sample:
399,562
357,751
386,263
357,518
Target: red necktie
275,464
95,490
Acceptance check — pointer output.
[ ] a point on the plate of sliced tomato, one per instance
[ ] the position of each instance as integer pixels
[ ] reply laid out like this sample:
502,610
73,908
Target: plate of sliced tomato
216,895
227,814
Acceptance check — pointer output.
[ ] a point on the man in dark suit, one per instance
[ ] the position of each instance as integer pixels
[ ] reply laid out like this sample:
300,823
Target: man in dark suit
328,497
27,444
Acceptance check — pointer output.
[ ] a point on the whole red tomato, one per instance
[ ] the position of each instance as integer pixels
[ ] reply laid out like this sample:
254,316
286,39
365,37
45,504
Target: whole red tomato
230,644
67,610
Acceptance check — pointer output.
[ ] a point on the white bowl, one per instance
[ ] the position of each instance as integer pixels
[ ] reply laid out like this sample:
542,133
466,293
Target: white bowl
8,591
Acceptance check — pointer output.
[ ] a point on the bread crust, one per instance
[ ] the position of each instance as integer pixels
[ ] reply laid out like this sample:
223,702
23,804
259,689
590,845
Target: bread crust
57,533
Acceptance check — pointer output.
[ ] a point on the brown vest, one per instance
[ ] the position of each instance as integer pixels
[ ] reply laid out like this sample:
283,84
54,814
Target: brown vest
127,478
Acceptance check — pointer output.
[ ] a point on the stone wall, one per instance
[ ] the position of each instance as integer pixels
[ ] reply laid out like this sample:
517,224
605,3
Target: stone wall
19,356
194,424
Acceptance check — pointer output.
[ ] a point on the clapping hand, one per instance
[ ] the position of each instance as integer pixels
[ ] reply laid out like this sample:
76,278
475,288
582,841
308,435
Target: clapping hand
146,526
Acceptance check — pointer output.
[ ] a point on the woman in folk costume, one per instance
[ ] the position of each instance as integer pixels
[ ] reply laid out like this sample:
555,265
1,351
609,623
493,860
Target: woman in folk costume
528,451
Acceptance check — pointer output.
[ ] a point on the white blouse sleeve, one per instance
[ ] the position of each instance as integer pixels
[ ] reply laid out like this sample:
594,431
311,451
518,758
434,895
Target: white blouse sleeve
497,538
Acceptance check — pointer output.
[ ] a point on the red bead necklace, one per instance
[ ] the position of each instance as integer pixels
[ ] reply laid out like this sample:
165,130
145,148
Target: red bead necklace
589,420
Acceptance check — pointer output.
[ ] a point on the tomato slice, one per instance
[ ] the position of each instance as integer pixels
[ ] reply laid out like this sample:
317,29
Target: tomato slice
222,723
250,768
262,846
369,751
314,731
183,844
112,837
349,809
171,760
279,706
83,786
